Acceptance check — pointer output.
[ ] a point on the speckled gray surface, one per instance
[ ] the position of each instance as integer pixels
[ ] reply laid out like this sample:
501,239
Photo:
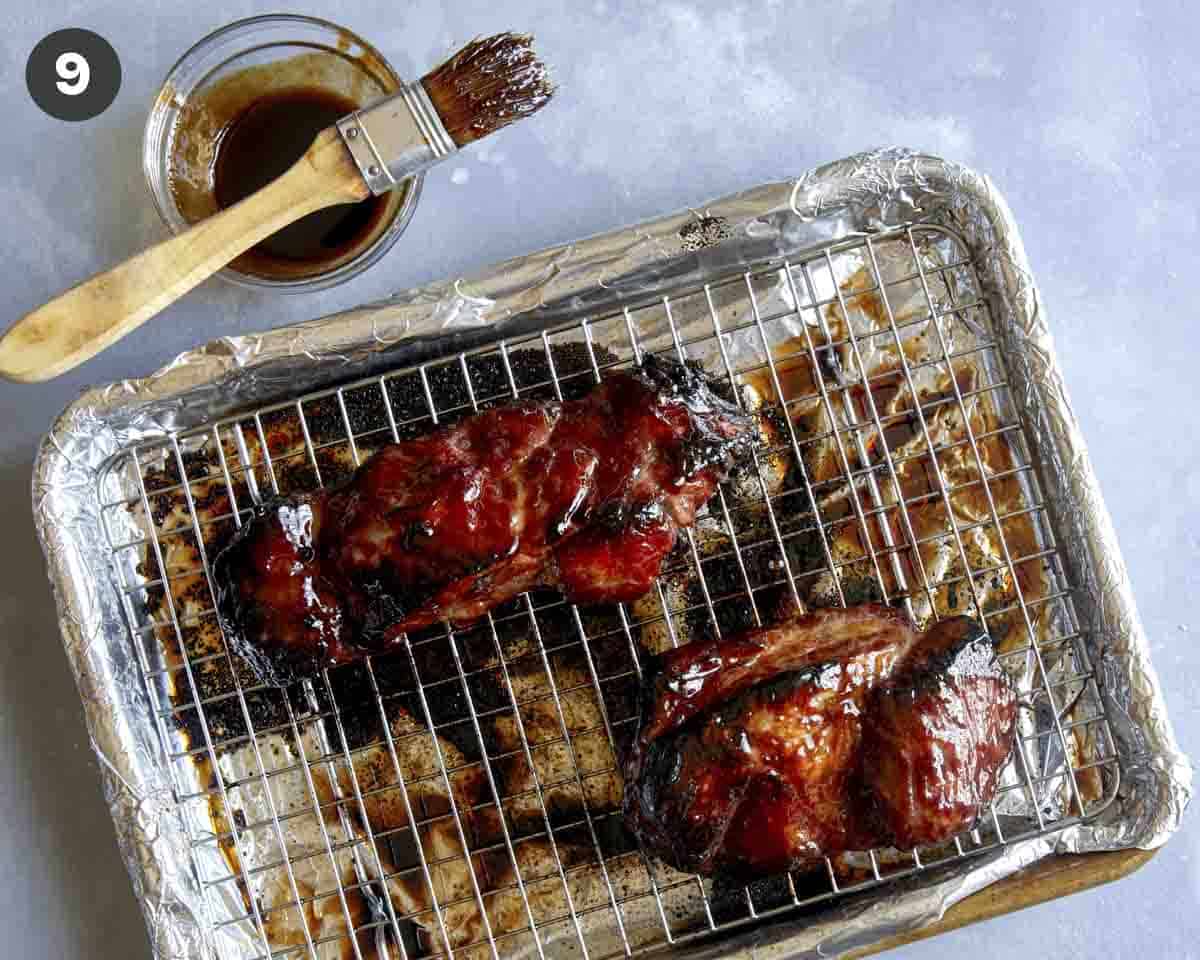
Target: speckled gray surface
1087,119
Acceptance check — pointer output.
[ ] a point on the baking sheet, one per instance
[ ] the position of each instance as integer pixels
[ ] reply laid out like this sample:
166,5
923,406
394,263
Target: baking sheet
867,193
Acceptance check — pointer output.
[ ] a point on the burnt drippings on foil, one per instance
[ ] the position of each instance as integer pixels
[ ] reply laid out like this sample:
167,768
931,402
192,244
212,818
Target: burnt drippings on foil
704,232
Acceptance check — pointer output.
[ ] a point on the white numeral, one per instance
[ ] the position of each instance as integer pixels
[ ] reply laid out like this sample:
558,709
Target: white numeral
75,73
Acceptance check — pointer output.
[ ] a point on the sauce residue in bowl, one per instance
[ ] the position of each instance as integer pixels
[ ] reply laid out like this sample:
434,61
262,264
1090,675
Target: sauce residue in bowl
240,130
259,145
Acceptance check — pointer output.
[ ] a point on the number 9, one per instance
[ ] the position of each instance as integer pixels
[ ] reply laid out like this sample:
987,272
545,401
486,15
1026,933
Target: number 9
75,72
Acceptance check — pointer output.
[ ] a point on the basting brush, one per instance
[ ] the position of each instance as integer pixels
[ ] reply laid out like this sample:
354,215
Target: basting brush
485,86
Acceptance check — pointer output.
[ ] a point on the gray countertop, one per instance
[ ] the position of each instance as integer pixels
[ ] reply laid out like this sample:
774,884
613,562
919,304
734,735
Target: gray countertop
1087,118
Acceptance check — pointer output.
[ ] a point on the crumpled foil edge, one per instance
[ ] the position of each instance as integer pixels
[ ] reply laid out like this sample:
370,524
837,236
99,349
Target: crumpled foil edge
860,194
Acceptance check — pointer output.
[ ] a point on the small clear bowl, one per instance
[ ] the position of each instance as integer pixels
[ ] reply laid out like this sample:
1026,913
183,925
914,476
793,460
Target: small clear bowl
221,75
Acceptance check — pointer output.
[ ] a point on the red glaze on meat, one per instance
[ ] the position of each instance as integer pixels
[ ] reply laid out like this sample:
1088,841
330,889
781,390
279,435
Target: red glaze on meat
841,730
586,496
604,565
940,730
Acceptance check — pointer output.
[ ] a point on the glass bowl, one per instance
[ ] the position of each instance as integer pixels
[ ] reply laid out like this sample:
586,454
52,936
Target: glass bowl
222,75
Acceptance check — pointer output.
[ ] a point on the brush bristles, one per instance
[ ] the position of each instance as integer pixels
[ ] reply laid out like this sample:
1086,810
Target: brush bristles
487,85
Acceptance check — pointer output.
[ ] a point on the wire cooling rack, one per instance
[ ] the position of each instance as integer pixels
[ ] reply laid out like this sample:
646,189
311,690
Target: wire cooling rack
494,749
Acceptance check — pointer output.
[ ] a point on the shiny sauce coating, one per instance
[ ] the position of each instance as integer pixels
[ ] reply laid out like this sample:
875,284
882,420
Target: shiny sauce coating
586,496
837,731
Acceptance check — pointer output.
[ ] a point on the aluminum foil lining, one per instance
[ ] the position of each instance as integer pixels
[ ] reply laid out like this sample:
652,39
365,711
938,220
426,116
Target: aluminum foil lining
862,194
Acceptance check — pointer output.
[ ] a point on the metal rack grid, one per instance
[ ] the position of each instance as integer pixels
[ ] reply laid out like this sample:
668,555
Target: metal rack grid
745,308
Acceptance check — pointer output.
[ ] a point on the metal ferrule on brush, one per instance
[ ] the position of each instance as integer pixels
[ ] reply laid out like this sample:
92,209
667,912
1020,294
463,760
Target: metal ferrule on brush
396,137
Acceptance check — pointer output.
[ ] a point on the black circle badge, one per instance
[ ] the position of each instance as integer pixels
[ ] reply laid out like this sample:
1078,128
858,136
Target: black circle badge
73,74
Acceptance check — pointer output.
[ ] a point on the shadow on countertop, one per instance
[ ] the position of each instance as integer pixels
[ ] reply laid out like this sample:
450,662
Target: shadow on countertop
63,870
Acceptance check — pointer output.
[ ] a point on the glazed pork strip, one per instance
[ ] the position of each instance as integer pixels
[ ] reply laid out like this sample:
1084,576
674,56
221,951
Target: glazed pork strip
586,496
837,731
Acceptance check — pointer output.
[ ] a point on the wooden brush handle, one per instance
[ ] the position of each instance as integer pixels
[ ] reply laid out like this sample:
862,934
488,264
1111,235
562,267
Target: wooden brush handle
78,324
